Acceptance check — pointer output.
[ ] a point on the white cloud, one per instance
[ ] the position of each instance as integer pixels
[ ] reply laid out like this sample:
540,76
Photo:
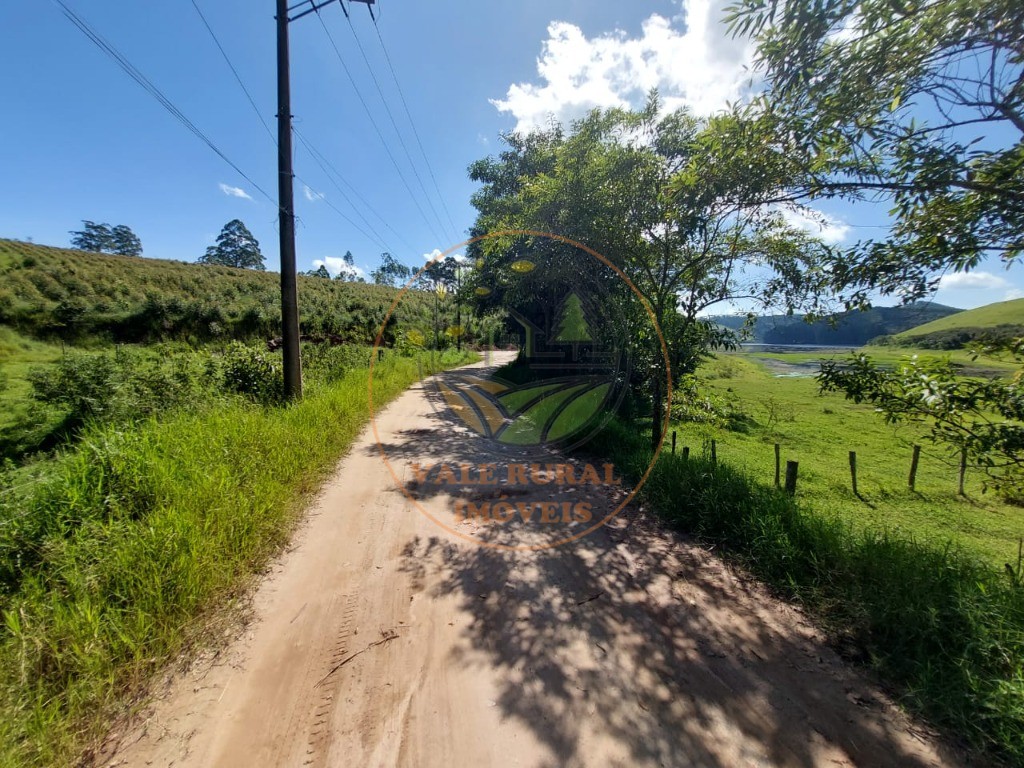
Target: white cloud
336,265
1013,293
437,252
826,228
699,66
234,191
973,281
312,195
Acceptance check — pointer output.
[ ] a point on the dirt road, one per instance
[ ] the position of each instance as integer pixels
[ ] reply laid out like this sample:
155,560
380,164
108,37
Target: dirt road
380,639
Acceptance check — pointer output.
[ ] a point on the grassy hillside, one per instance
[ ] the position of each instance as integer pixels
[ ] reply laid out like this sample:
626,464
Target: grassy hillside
845,328
1002,320
58,293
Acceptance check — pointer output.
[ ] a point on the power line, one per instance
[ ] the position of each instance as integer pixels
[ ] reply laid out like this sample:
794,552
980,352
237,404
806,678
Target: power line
336,176
238,78
391,117
155,92
373,122
342,214
376,238
416,133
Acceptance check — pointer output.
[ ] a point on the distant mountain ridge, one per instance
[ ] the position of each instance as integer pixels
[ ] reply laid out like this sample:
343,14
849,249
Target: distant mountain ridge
845,328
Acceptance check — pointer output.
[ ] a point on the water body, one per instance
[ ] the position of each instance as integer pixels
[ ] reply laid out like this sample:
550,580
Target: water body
798,369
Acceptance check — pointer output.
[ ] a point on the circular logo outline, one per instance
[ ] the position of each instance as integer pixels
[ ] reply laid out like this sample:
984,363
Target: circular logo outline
378,342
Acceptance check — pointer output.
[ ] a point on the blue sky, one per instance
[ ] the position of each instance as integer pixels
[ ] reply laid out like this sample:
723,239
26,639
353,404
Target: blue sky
83,141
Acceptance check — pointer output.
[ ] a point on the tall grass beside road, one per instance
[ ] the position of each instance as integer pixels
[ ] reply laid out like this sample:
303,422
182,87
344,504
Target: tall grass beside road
116,555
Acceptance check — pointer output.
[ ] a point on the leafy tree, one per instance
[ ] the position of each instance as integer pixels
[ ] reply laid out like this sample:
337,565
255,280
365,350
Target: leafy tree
391,271
638,187
97,238
125,242
236,247
102,238
320,271
916,105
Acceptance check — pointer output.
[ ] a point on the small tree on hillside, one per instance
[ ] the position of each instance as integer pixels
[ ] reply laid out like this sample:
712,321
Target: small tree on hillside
102,238
236,247
125,242
320,271
391,271
94,237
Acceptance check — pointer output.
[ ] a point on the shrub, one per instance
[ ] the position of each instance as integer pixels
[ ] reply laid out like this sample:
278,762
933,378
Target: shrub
253,372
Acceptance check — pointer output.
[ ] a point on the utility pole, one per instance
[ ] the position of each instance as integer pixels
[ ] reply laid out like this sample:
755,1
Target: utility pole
286,203
286,194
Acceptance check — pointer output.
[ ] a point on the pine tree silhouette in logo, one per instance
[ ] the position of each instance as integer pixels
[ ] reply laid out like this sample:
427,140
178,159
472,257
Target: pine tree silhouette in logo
572,326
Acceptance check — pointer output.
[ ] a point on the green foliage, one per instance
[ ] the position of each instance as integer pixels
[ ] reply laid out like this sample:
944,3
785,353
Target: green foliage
946,629
121,385
325,362
50,292
984,418
641,188
253,372
123,551
102,238
693,406
870,100
391,272
236,247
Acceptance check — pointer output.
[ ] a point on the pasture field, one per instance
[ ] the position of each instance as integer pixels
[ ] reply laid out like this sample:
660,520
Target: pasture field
769,403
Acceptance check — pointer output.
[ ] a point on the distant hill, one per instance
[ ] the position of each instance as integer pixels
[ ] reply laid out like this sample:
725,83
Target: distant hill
1000,321
62,293
845,328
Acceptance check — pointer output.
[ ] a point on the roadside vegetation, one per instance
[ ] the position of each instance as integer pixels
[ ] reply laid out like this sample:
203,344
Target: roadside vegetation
855,102
118,552
144,484
746,408
935,620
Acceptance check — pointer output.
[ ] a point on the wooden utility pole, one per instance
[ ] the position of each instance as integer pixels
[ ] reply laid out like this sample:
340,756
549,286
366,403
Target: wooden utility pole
286,204
286,195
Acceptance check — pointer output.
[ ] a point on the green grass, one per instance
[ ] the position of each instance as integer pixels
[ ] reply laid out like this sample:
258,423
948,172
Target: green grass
1001,313
141,537
819,432
942,626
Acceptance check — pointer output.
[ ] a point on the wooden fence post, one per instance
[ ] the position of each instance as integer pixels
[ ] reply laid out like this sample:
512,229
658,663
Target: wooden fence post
686,452
714,453
913,466
853,471
778,464
963,470
791,469
673,442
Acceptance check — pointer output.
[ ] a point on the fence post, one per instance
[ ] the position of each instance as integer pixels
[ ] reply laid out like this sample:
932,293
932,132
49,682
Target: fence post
714,453
791,469
686,452
853,471
963,470
673,442
778,463
913,466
